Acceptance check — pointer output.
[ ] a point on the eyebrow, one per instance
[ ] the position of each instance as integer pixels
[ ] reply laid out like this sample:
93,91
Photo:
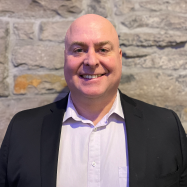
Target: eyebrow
83,44
104,43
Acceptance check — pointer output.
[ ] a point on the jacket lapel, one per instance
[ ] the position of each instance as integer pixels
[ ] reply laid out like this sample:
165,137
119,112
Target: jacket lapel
136,139
50,139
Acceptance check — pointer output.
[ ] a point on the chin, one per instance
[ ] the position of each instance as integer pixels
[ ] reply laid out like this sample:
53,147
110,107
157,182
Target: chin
92,93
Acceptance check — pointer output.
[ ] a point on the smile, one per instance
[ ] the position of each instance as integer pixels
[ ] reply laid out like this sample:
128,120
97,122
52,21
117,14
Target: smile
91,76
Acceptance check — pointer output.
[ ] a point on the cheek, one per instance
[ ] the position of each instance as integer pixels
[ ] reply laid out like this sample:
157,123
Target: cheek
75,61
112,64
68,71
70,66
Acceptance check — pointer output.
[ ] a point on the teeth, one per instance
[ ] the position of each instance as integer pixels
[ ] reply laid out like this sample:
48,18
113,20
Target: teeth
91,76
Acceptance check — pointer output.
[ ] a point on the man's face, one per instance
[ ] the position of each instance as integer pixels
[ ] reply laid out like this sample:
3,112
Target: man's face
92,59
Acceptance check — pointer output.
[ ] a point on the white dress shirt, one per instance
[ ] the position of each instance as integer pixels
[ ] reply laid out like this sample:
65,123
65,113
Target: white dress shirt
93,156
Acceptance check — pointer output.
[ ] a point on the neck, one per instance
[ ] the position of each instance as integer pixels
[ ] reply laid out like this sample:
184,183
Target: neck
93,109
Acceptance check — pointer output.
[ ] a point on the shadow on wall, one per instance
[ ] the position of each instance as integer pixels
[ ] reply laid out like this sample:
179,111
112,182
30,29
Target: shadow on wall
62,94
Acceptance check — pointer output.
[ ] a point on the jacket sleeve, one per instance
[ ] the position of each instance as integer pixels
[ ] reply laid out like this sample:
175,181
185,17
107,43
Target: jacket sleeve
4,155
183,141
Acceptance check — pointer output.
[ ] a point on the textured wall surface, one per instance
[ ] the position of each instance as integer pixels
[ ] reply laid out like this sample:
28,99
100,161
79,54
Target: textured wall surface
153,37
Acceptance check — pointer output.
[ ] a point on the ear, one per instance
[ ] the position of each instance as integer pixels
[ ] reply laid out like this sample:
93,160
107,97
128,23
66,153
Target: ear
64,55
120,54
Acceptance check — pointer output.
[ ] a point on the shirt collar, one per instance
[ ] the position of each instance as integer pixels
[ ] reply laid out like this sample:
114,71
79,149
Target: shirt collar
71,112
116,107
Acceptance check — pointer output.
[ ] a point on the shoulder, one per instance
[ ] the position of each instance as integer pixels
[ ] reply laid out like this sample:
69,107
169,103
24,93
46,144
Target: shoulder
30,121
156,118
43,110
149,110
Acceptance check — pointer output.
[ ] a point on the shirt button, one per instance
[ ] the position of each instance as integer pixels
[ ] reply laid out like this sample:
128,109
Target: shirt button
93,164
95,129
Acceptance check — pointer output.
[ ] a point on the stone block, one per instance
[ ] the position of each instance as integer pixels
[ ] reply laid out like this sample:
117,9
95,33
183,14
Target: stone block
151,39
182,80
14,6
3,83
123,7
153,5
40,8
24,31
163,21
135,52
184,114
25,9
100,7
39,56
4,32
35,10
54,31
3,46
178,6
3,29
174,6
4,92
39,84
3,72
184,124
159,89
171,60
70,8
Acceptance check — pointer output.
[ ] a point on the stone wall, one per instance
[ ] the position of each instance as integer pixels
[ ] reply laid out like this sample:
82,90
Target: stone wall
152,33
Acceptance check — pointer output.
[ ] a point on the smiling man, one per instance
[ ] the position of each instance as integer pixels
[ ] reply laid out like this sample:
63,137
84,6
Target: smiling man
93,65
95,136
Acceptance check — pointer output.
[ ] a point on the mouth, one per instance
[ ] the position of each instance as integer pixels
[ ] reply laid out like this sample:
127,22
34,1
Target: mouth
91,76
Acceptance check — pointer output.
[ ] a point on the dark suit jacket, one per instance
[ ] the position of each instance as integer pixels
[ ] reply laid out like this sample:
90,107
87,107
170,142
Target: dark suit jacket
157,146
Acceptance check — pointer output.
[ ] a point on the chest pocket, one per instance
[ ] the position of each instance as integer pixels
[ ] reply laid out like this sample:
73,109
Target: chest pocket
123,176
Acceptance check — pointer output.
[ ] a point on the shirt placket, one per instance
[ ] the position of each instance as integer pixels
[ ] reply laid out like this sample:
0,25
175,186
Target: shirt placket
94,159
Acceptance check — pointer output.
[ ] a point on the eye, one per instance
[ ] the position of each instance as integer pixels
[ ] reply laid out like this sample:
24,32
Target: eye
78,50
103,50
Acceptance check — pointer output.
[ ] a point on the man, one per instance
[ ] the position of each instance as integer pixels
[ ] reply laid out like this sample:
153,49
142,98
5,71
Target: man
96,136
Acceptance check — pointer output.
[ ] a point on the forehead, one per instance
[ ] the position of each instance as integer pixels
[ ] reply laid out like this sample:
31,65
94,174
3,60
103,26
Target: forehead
91,32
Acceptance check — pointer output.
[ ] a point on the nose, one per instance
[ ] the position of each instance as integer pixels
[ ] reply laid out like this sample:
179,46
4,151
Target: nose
91,59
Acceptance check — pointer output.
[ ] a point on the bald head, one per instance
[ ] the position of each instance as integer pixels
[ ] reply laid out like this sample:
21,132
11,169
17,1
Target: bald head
93,59
91,22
